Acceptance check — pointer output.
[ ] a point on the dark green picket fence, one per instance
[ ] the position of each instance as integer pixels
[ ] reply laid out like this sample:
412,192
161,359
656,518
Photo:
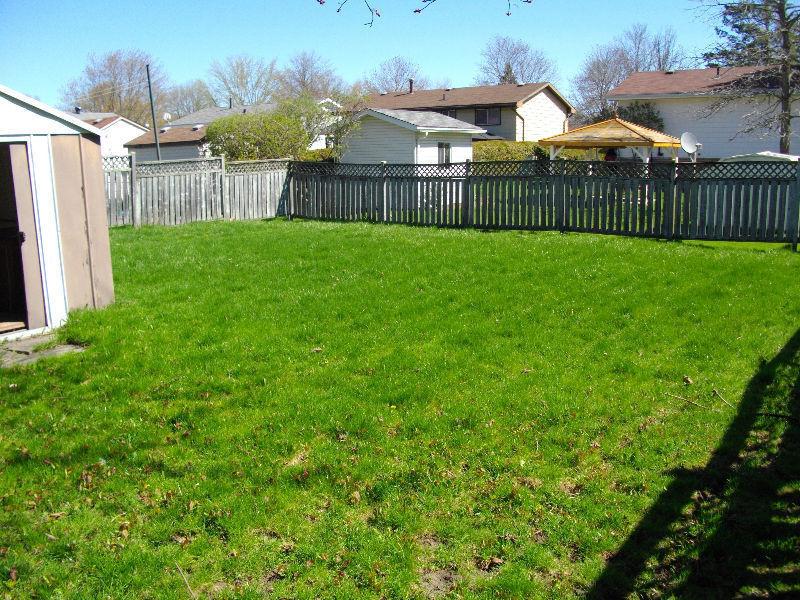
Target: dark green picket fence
745,201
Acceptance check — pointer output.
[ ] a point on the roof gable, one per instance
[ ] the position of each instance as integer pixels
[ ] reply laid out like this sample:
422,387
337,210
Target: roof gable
36,106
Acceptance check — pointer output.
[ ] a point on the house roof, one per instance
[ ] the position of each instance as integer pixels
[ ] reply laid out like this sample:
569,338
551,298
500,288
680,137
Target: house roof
207,115
614,133
101,120
695,82
170,135
423,121
40,106
484,95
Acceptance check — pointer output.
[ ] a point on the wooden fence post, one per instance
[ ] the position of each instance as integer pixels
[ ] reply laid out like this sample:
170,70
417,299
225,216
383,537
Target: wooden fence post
223,192
560,196
466,200
668,221
136,199
794,209
290,182
383,191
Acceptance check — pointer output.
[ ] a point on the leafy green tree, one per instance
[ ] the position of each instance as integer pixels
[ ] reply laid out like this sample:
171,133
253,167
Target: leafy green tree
640,113
258,136
762,33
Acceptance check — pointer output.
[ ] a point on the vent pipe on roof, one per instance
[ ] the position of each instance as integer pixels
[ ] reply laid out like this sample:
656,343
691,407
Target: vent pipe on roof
78,110
410,86
230,102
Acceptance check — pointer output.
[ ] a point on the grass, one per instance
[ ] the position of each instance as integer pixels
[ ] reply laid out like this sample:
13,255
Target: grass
357,411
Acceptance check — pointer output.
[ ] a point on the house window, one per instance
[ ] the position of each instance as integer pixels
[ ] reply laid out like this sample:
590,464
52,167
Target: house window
487,116
444,154
447,112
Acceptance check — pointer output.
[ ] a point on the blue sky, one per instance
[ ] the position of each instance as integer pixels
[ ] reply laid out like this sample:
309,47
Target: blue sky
44,43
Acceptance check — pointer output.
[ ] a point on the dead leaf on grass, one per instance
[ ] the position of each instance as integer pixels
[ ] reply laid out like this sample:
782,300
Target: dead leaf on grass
298,458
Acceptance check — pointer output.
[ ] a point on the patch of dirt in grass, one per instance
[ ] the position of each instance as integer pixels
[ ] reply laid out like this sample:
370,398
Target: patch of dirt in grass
488,566
428,541
299,458
439,582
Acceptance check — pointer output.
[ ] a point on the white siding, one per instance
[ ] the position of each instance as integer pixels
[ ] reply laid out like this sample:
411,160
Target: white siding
375,141
717,132
545,115
168,152
428,147
116,135
508,122
17,118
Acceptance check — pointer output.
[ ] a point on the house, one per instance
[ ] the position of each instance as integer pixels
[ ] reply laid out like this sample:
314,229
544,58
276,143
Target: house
54,247
115,131
186,137
409,137
683,98
525,112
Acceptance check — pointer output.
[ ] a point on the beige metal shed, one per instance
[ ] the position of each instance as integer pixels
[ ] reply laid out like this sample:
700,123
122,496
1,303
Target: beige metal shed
54,247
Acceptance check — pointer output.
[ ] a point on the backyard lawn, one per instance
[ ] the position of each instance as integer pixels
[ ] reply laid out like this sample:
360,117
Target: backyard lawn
316,410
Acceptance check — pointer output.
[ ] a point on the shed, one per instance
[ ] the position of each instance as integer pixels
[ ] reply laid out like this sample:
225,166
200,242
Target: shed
409,137
613,133
54,247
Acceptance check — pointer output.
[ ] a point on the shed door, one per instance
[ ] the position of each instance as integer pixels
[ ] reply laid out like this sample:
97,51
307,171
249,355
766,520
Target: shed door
21,294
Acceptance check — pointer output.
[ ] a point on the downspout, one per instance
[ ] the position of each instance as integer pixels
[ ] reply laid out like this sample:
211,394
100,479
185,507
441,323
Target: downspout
521,118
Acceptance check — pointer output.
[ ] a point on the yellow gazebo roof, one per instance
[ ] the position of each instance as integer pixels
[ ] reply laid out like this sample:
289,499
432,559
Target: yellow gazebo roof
614,133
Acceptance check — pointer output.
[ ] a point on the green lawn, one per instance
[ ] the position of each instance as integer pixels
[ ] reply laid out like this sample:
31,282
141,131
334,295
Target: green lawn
320,410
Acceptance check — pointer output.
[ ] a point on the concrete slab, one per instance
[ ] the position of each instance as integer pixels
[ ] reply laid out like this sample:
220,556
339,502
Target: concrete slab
28,345
24,351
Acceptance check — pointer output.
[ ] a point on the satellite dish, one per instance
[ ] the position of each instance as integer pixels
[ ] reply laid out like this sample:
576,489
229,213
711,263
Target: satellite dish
689,143
167,116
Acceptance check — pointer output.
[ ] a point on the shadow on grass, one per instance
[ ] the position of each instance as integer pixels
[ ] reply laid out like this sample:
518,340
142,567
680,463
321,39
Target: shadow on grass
732,528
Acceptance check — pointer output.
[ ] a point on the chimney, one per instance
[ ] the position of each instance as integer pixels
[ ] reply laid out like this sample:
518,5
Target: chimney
410,86
717,70
230,102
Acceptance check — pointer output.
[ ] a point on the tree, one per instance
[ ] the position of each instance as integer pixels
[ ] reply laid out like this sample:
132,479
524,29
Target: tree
528,64
640,113
117,82
243,79
190,97
257,136
423,5
762,33
508,75
393,75
309,74
608,65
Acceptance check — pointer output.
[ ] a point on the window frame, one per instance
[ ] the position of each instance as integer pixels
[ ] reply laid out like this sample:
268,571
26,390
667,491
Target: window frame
487,111
445,153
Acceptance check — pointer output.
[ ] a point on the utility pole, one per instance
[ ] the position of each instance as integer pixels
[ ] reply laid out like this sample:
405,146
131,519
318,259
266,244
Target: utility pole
153,112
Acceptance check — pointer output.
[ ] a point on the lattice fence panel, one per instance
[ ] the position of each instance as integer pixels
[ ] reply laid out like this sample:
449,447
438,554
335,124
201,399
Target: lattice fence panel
255,166
117,163
738,170
174,167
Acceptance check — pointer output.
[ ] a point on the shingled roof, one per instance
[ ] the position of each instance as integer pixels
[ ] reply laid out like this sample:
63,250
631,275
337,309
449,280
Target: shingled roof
484,95
170,135
695,82
613,133
423,120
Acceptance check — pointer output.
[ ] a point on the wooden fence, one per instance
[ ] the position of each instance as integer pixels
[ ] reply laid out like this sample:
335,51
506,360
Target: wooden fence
186,191
757,201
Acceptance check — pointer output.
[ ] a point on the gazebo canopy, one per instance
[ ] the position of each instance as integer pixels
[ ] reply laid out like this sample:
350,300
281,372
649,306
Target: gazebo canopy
614,133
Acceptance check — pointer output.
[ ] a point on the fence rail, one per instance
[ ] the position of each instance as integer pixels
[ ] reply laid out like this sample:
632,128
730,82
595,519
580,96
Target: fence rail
756,201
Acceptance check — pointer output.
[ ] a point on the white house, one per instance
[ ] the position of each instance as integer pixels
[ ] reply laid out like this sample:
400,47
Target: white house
115,130
409,137
54,247
525,112
683,98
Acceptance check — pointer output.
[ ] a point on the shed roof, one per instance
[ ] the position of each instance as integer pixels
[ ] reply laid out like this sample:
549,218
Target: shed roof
614,133
422,120
482,95
687,82
49,111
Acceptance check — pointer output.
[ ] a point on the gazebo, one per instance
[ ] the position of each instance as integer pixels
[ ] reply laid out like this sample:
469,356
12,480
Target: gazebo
614,133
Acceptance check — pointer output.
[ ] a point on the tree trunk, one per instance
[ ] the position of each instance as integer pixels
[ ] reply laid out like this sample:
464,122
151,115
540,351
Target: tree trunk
787,52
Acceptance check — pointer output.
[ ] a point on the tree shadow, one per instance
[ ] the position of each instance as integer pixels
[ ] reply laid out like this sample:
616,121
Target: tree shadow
732,528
